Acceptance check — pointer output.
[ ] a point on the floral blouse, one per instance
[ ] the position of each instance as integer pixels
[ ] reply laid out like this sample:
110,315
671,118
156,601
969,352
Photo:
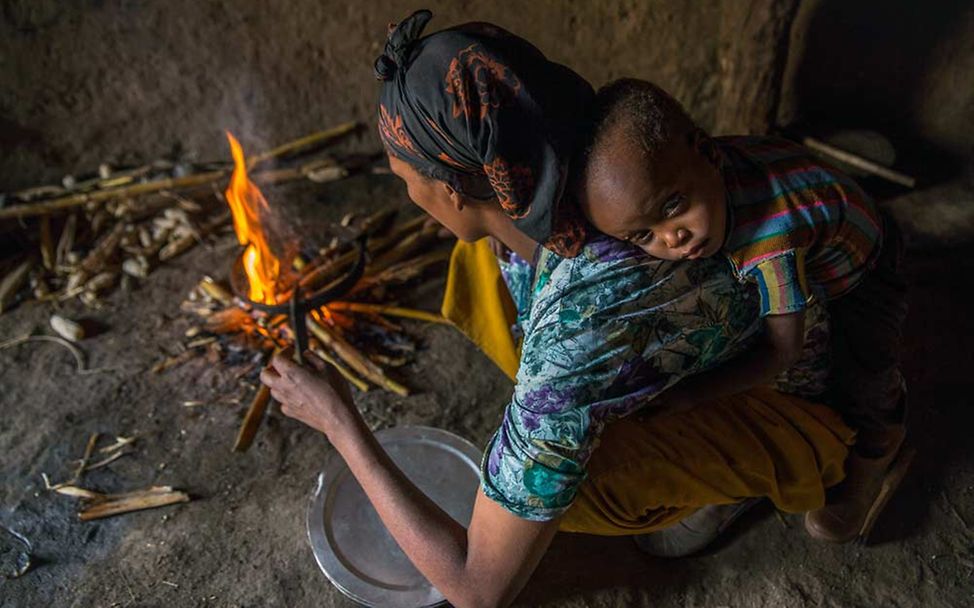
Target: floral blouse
604,333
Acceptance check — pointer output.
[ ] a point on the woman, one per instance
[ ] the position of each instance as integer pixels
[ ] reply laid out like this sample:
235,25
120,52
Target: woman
480,126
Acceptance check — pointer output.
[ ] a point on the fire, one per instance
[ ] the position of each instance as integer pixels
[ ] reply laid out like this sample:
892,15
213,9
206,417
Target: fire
247,204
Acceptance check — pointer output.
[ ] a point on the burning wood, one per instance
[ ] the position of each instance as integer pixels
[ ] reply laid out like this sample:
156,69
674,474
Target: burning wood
127,223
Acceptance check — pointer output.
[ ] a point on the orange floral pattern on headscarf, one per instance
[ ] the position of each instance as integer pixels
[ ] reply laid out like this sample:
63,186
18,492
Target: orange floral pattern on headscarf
478,82
513,185
393,133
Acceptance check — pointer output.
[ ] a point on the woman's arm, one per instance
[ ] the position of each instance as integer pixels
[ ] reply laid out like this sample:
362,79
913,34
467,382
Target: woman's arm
778,350
486,564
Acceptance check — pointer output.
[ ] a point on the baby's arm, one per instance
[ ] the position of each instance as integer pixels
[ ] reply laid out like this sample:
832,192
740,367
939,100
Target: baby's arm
778,350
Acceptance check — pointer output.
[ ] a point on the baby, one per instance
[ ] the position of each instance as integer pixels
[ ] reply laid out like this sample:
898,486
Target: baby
796,228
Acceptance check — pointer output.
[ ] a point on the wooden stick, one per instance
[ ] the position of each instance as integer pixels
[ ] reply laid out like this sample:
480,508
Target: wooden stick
402,271
403,249
184,243
318,275
66,242
859,162
12,283
47,244
392,311
355,359
252,420
134,502
89,450
254,416
320,138
344,371
100,196
215,291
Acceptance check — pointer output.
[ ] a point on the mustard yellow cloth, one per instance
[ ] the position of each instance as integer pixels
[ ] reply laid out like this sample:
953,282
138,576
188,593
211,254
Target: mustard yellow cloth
651,471
477,301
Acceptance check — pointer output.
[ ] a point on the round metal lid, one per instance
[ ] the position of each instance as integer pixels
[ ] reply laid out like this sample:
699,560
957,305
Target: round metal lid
350,542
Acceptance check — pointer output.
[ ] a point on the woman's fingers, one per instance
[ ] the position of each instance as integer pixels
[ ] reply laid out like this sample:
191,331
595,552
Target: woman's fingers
269,376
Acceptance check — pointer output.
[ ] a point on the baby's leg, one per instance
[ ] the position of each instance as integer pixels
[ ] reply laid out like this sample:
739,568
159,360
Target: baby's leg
866,340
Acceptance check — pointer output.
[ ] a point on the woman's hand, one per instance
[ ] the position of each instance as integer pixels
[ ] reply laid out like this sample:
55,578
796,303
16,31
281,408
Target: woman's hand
317,397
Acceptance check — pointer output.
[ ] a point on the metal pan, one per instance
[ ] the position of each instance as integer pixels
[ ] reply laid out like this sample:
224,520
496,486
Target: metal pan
349,541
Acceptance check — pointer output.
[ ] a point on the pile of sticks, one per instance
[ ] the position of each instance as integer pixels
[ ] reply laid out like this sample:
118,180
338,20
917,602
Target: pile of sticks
88,237
358,335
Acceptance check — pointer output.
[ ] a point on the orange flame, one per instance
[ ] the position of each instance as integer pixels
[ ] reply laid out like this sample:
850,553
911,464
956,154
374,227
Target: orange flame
247,204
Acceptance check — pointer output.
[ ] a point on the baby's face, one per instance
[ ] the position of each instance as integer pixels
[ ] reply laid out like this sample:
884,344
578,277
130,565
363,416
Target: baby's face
671,206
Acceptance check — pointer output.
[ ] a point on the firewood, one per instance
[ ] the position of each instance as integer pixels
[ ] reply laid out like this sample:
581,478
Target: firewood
252,420
186,242
402,272
136,501
216,291
327,271
320,138
103,251
47,244
408,246
11,284
228,320
355,359
89,450
392,311
863,164
101,282
49,207
137,266
344,371
66,242
174,361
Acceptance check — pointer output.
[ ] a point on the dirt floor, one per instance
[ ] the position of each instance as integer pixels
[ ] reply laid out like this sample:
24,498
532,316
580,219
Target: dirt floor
241,541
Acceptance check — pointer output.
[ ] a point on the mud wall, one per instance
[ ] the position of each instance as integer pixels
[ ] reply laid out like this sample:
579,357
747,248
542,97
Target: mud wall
901,67
91,81
124,81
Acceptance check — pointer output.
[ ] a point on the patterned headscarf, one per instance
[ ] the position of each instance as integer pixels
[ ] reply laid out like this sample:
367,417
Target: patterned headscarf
483,110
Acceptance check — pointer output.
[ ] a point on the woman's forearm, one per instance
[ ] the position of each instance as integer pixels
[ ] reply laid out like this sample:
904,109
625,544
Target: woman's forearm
485,564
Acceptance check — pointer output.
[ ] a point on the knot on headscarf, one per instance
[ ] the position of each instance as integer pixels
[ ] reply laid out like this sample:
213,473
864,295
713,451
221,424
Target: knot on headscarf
401,37
486,112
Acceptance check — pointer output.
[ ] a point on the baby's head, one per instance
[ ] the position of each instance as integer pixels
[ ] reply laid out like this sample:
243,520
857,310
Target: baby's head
651,176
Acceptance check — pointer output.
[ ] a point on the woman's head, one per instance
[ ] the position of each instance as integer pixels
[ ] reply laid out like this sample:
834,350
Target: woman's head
474,116
460,213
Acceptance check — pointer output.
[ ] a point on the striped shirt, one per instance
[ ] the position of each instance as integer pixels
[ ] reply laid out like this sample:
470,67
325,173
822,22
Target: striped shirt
796,227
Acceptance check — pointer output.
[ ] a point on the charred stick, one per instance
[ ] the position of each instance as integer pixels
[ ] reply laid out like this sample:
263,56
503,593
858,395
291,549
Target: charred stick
252,420
326,271
355,359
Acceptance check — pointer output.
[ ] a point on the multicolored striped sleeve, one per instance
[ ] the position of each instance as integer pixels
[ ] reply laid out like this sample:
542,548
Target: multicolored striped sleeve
781,283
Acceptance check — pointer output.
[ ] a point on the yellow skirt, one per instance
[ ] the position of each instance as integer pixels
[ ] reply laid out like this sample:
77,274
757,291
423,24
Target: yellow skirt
651,471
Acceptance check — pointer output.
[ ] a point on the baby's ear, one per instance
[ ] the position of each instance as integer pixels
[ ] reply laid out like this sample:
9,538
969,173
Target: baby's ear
702,143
